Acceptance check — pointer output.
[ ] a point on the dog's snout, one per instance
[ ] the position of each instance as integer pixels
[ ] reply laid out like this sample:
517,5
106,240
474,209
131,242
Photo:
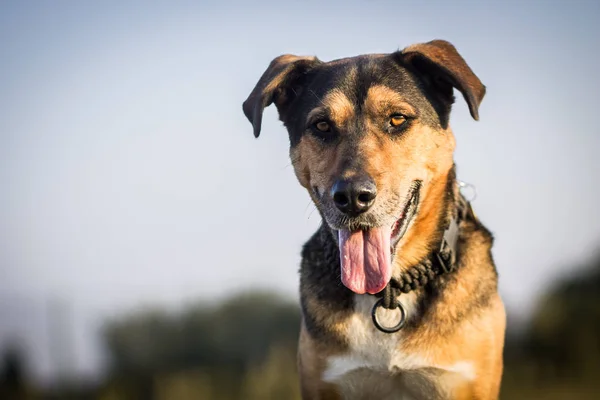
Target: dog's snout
354,196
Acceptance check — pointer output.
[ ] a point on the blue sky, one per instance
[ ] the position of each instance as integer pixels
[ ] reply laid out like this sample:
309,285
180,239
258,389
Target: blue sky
130,177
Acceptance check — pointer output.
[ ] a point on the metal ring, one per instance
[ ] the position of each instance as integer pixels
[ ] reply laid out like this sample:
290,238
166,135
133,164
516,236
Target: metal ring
463,185
386,329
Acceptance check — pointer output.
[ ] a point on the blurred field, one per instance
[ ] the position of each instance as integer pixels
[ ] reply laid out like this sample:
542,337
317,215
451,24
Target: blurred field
245,348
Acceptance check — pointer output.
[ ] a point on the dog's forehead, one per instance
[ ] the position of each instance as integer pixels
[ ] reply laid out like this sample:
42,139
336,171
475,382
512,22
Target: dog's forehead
359,72
353,76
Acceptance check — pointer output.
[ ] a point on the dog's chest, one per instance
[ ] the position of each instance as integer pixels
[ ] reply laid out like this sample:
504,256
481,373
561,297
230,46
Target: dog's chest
370,348
376,361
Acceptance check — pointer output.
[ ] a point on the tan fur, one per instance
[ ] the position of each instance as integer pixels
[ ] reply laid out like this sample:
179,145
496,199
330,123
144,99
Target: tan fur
312,360
311,163
337,106
382,102
336,324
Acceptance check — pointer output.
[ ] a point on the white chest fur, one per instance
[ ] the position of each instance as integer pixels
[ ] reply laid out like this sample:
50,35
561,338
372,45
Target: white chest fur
378,352
369,347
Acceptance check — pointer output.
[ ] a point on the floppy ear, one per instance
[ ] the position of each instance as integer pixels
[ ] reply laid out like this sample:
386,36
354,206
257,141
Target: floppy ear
440,60
275,85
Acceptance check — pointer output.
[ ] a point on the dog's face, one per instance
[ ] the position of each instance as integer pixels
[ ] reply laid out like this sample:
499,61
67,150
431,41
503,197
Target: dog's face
369,140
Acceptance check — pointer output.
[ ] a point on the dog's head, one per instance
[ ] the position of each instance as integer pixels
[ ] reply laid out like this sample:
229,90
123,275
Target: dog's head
370,141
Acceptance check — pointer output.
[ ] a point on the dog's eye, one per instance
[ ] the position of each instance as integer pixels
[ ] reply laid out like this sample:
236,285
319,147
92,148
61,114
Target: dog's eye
323,126
397,119
324,130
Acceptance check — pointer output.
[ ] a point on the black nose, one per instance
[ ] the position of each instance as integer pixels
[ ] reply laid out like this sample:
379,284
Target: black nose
354,196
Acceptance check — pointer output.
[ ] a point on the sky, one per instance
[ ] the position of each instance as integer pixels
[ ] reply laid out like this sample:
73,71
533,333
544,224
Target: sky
130,177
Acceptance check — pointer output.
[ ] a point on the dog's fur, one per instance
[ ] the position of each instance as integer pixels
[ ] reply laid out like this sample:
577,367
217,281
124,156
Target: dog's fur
451,346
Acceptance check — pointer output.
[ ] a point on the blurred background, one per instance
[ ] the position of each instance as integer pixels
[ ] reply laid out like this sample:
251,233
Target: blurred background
149,245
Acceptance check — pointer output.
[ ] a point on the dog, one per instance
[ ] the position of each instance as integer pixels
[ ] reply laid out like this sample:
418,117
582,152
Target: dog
398,287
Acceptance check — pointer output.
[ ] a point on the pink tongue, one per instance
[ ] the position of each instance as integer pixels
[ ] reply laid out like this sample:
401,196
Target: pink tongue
366,259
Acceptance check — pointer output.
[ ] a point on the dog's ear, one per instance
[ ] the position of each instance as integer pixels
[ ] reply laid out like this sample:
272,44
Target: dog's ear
276,85
440,61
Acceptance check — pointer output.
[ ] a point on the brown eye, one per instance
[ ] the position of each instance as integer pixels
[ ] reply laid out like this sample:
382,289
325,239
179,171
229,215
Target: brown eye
397,120
323,126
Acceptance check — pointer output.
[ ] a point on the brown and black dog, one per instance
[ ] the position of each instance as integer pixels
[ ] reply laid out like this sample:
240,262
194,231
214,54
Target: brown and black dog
370,141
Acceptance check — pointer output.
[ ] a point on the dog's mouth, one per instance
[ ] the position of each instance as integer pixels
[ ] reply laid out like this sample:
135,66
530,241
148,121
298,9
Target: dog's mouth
366,254
409,210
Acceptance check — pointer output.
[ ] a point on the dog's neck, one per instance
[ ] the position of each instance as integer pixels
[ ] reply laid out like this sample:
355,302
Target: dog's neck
320,270
442,258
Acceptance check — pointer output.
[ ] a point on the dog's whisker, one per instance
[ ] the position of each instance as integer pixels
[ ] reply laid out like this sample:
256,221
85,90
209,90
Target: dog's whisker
313,210
292,161
381,174
316,97
308,205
